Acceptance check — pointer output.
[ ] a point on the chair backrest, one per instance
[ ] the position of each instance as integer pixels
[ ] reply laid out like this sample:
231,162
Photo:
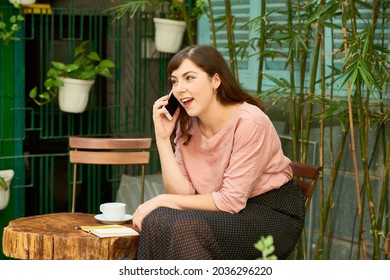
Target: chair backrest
121,151
306,176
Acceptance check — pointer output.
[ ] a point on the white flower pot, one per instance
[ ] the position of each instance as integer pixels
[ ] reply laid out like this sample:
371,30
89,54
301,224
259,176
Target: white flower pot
74,95
169,34
7,175
23,2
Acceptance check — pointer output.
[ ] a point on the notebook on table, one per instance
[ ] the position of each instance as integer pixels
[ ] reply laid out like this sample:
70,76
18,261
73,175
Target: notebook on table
109,230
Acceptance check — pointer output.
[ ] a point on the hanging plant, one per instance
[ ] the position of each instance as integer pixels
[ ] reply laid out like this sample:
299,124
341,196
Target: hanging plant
9,27
87,65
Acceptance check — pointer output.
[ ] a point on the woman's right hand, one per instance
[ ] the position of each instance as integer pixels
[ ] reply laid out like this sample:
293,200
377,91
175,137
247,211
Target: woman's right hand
162,126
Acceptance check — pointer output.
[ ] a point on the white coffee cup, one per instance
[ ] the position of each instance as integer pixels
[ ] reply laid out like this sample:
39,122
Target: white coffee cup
114,211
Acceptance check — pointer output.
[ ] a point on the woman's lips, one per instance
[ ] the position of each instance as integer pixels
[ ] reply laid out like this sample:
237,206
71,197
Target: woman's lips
186,103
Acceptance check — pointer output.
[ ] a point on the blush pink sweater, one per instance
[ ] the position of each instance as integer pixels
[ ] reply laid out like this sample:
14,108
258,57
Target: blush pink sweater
244,159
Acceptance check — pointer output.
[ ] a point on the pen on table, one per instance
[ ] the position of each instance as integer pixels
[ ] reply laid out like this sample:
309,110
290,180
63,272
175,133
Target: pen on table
96,227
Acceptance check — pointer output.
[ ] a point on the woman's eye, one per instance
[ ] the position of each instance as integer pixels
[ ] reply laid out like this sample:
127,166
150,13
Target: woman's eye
188,78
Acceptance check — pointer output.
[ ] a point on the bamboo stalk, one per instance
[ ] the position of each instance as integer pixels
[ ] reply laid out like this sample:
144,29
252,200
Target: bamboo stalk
261,46
292,82
231,40
212,24
350,114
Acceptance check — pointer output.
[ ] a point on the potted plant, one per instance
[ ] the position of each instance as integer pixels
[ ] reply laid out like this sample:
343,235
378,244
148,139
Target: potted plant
73,82
23,2
5,187
9,27
169,31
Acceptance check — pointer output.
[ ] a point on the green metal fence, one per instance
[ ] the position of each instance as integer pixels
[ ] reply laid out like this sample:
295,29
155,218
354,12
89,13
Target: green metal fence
33,139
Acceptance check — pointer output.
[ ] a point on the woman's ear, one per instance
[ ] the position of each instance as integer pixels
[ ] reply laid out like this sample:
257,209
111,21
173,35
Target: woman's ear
216,81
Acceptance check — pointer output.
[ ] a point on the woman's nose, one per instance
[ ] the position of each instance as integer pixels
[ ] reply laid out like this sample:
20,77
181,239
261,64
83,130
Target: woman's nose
180,86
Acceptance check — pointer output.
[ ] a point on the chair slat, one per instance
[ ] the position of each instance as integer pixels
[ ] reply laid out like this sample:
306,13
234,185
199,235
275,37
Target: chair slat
85,157
109,143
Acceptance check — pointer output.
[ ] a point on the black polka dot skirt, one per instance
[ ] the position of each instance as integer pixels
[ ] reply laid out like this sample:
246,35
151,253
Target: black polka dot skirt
196,234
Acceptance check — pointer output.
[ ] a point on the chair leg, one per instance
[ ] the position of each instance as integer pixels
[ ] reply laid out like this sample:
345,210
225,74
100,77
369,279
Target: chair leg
142,183
74,188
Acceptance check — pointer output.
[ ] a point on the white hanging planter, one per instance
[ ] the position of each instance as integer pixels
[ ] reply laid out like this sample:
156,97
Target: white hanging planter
74,95
7,175
169,34
23,2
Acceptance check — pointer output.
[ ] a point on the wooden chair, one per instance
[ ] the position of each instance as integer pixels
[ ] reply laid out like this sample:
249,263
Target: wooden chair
306,176
88,150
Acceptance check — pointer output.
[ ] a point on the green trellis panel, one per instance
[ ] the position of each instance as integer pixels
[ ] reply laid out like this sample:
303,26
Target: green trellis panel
11,115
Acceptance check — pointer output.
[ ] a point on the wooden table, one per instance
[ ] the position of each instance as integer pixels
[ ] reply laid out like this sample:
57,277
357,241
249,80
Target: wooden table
54,237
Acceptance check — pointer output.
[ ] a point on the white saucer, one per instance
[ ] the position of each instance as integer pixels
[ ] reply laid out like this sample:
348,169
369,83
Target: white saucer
101,218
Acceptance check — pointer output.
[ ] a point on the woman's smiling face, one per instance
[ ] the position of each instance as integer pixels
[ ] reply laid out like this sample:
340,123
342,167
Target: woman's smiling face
194,88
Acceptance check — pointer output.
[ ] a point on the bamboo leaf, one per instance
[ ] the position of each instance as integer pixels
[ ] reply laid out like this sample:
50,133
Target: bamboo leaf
279,82
368,77
323,12
354,76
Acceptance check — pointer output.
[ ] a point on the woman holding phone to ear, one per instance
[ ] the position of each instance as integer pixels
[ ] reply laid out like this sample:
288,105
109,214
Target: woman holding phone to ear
226,178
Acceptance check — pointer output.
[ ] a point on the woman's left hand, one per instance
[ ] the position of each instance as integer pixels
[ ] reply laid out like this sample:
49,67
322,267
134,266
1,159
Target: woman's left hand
143,210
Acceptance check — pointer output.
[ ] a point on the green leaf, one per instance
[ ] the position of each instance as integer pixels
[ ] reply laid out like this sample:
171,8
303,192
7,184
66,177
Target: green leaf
33,93
87,75
278,82
368,77
71,67
104,72
49,83
45,95
12,19
259,245
58,65
94,56
80,49
354,76
269,240
106,64
57,83
285,83
53,73
15,27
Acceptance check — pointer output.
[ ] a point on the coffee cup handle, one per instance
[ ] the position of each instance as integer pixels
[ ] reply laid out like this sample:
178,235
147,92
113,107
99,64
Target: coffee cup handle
101,208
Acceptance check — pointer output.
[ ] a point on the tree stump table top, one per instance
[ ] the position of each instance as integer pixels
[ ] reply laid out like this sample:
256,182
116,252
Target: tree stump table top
55,237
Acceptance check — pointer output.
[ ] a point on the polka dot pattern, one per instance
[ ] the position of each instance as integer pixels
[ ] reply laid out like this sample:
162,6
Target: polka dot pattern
196,234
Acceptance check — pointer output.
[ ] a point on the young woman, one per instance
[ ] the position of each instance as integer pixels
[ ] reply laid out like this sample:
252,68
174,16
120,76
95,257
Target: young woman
227,181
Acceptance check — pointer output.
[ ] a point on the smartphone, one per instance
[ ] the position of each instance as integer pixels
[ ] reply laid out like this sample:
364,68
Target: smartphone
172,106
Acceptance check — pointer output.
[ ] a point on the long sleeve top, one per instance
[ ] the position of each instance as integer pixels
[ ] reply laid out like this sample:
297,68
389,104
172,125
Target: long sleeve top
244,159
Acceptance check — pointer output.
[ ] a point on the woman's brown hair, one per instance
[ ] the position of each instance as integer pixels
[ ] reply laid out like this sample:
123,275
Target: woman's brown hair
211,62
